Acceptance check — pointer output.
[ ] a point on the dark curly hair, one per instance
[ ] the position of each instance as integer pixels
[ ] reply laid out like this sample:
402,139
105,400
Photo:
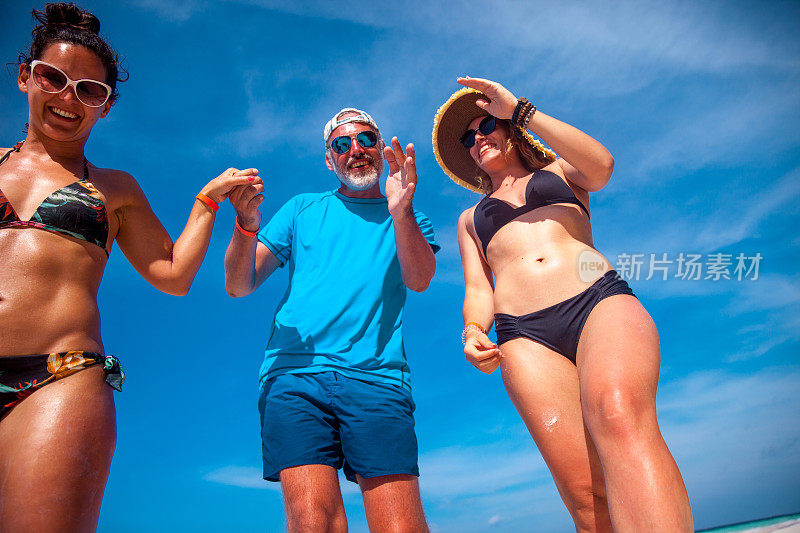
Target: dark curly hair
64,22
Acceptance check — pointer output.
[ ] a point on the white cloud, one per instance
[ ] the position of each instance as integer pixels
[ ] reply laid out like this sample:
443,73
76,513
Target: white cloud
250,477
247,477
496,519
173,10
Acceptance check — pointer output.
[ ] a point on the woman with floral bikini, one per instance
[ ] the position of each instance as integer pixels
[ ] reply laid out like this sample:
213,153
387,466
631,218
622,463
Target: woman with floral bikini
59,215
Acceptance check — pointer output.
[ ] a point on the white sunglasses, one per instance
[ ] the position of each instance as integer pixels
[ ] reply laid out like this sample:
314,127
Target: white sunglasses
53,80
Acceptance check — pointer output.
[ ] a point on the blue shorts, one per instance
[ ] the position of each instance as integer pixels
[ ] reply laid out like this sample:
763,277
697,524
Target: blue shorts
324,418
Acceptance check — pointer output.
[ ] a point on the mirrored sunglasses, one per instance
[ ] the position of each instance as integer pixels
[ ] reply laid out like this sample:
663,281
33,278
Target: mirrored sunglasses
341,144
52,80
487,126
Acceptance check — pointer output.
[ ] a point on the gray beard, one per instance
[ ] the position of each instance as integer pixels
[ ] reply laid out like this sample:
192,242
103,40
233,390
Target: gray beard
360,181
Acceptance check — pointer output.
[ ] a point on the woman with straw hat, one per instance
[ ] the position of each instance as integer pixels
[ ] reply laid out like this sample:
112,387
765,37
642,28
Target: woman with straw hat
579,354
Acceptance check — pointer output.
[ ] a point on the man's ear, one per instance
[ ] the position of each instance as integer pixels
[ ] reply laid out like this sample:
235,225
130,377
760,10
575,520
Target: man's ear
328,162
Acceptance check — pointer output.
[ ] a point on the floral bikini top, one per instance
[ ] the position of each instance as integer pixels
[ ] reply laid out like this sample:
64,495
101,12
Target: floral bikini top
76,210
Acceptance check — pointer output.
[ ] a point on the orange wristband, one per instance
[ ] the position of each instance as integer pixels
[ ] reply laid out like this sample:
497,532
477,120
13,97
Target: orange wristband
244,231
475,324
469,326
208,201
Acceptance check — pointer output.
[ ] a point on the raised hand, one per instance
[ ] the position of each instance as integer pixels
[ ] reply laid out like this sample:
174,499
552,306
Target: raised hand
402,180
220,187
501,102
246,199
481,352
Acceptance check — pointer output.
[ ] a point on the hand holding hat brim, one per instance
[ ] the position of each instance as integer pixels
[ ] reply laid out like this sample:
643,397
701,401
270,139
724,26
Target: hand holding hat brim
499,101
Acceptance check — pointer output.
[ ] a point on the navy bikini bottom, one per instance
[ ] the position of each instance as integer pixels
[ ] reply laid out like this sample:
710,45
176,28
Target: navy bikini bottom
559,326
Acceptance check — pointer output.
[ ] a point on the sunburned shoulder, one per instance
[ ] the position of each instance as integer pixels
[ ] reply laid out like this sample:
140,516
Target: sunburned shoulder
114,183
110,177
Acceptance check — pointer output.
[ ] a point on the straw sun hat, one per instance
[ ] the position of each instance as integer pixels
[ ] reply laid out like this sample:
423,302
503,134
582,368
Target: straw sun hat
449,125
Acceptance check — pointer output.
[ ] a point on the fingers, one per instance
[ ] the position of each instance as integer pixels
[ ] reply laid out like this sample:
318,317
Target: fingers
489,366
249,192
479,348
410,170
480,84
254,202
398,151
245,172
486,361
388,154
242,195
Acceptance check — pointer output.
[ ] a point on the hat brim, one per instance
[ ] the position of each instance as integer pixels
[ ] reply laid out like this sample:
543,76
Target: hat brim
449,125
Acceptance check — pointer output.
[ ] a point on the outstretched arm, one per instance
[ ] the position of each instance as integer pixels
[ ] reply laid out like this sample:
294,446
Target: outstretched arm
586,162
417,262
478,308
171,267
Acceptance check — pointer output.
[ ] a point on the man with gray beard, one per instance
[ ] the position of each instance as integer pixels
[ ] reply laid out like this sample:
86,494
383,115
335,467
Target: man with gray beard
335,388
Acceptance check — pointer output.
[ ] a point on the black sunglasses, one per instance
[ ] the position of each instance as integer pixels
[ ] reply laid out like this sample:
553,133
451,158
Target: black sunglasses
341,144
487,126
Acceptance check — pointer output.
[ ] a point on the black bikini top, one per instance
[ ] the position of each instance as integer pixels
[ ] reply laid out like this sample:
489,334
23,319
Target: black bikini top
544,188
76,210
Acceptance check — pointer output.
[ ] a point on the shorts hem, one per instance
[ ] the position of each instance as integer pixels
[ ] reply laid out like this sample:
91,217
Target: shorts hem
275,475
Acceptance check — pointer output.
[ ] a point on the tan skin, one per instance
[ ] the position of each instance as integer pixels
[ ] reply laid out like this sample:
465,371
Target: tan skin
311,493
56,445
594,422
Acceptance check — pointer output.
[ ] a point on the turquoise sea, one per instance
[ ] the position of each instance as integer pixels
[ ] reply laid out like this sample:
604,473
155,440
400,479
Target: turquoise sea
783,524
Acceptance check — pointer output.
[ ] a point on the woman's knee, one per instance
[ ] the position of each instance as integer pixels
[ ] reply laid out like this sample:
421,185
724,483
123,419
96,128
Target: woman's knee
616,412
587,505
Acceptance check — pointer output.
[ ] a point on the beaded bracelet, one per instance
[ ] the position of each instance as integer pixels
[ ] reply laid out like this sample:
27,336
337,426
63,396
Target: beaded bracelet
468,327
244,231
528,117
208,201
518,109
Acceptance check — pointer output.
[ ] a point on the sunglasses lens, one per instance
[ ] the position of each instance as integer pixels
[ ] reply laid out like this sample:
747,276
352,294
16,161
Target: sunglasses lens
367,139
92,93
49,79
341,144
468,139
487,125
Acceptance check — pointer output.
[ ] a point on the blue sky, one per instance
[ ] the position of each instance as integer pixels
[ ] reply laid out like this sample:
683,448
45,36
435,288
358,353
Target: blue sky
699,104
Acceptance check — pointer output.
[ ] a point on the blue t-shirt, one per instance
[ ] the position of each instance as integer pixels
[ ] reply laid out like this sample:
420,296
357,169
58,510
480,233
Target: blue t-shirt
343,308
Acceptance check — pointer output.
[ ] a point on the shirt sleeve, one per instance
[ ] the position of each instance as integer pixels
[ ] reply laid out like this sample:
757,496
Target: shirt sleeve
426,227
277,234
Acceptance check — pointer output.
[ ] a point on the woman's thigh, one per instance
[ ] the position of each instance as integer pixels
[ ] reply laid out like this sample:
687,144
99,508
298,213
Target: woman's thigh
618,364
55,452
543,385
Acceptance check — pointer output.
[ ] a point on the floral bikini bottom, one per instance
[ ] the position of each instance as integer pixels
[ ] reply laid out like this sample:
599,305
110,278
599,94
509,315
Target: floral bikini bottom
21,376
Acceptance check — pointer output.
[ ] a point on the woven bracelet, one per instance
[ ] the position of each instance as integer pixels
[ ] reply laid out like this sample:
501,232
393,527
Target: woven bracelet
518,109
528,117
522,114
